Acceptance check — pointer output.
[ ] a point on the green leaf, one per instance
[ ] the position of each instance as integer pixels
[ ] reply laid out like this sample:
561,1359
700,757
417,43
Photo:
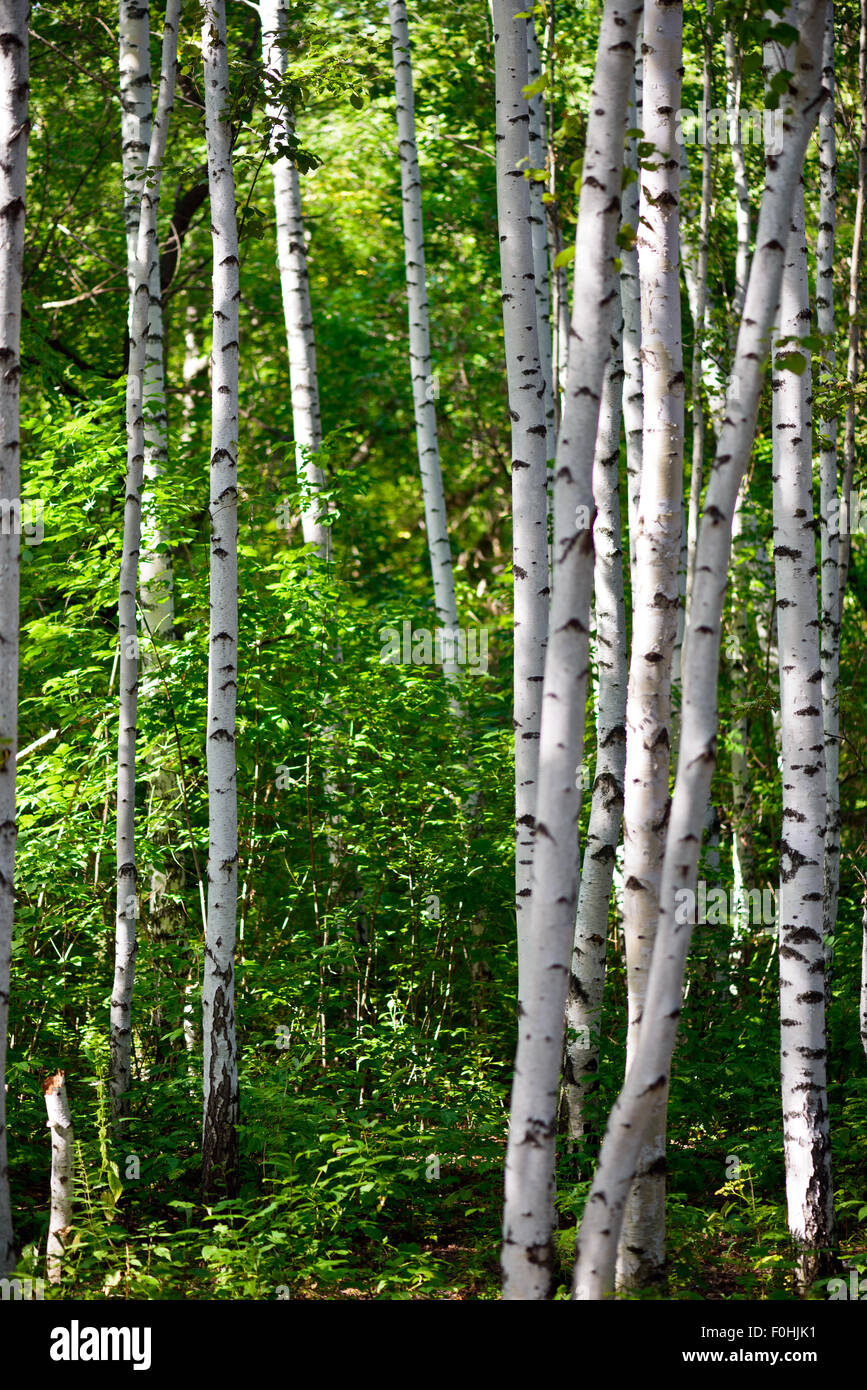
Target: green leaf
533,89
791,362
564,257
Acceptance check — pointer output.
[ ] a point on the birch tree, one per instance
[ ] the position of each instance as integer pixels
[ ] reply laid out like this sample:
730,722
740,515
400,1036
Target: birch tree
803,1079
62,1168
854,332
700,314
537,132
530,1155
134,69
421,370
829,502
147,250
587,977
655,600
221,1101
294,279
526,390
14,130
742,526
630,298
633,1113
156,582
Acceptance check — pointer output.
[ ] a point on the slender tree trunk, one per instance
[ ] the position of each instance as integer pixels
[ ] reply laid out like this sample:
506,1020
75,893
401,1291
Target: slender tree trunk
700,315
136,116
221,1101
739,173
587,979
294,281
538,133
742,522
136,129
633,1113
423,381
806,1136
829,505
737,652
527,1245
62,1164
853,322
558,280
630,297
14,130
655,600
526,389
156,580
147,248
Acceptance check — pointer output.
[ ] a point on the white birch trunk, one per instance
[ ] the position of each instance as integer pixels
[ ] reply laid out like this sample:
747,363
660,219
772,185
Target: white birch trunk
62,1163
147,248
527,1244
634,1110
699,323
423,392
221,1101
135,120
587,978
14,130
539,226
739,173
526,390
829,502
156,584
854,331
655,600
806,1137
630,298
294,284
742,856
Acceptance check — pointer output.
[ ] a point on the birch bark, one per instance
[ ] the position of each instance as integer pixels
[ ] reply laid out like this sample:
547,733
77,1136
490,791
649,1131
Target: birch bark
806,1134
221,1101
526,389
156,584
527,1245
634,1109
854,332
655,601
62,1162
14,130
538,137
699,316
829,503
146,251
294,282
587,978
742,523
421,370
135,119
630,298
